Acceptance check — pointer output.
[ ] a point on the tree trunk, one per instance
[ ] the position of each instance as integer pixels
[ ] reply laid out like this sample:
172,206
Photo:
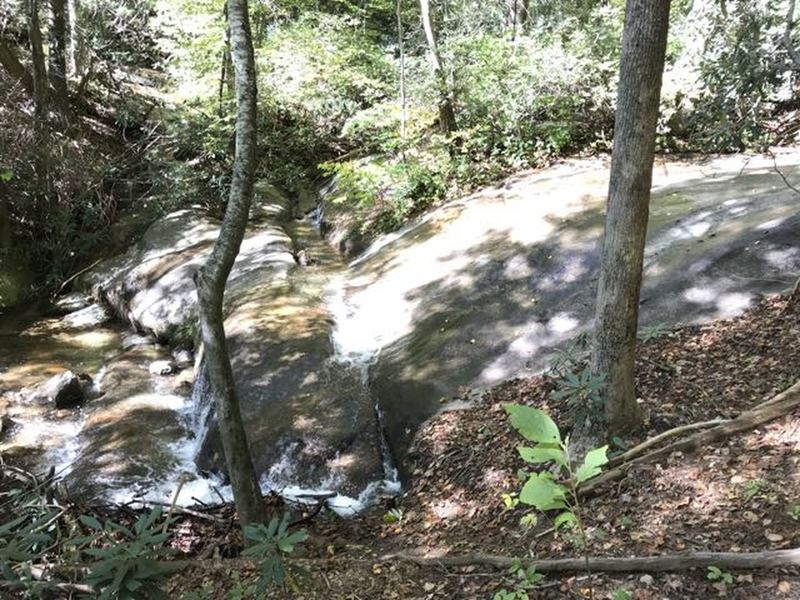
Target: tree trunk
75,46
787,37
58,54
211,278
40,91
644,42
14,68
447,114
5,223
401,45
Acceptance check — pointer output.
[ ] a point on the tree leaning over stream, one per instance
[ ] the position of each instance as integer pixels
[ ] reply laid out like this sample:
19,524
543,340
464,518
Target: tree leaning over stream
211,278
644,44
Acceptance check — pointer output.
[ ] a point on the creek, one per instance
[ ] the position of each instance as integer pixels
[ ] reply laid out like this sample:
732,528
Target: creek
338,364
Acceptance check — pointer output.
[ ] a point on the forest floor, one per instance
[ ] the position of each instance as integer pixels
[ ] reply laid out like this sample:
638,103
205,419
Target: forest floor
742,494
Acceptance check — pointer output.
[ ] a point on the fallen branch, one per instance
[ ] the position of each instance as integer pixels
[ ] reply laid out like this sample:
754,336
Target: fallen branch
632,564
770,410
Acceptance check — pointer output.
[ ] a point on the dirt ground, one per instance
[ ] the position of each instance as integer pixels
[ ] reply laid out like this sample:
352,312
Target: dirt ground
742,494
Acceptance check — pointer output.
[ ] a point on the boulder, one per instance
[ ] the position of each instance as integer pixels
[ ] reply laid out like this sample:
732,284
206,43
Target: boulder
65,390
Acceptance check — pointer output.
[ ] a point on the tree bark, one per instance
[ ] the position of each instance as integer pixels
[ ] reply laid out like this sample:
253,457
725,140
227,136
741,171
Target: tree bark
15,69
211,278
447,114
40,91
787,37
641,68
58,54
75,45
401,45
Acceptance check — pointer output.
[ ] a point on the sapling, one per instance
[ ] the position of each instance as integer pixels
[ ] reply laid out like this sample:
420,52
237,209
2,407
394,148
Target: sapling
555,489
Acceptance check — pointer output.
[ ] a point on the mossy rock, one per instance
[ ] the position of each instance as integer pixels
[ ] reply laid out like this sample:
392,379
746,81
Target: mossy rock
15,282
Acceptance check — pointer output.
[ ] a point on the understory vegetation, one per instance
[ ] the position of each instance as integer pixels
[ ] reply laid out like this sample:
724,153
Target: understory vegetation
151,120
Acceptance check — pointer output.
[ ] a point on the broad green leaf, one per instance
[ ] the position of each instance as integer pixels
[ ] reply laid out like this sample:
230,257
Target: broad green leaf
592,464
565,518
542,454
543,493
534,424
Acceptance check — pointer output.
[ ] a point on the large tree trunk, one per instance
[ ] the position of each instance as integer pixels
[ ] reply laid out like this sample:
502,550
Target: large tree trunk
644,42
15,69
212,277
447,114
58,54
40,87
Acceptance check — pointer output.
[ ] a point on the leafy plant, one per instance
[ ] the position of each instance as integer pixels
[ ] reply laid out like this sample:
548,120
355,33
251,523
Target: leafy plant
582,393
717,574
129,565
794,512
545,490
524,578
621,594
269,544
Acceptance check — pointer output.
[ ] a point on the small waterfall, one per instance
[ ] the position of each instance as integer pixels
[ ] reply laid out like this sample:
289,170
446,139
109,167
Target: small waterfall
201,406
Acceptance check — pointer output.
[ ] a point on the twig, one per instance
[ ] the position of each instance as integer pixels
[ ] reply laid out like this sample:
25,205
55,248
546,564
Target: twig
188,511
786,181
72,278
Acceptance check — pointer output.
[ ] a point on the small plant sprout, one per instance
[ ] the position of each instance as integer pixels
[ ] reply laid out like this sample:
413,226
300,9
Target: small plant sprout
393,515
794,511
524,578
718,575
752,489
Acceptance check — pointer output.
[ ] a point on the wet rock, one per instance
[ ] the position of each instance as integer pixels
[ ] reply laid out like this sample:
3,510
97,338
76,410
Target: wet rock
163,367
132,340
151,286
66,390
86,318
182,358
487,287
71,303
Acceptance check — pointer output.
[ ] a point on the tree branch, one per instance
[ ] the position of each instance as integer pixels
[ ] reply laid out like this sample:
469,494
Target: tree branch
632,564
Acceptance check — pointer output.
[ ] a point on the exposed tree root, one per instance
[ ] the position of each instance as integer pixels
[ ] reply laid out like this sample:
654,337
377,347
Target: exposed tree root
654,441
772,409
632,564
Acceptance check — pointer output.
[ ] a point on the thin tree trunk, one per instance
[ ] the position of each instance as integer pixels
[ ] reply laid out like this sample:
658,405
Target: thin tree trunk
15,69
40,91
5,223
787,37
58,54
401,44
225,66
447,115
641,68
211,278
75,50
